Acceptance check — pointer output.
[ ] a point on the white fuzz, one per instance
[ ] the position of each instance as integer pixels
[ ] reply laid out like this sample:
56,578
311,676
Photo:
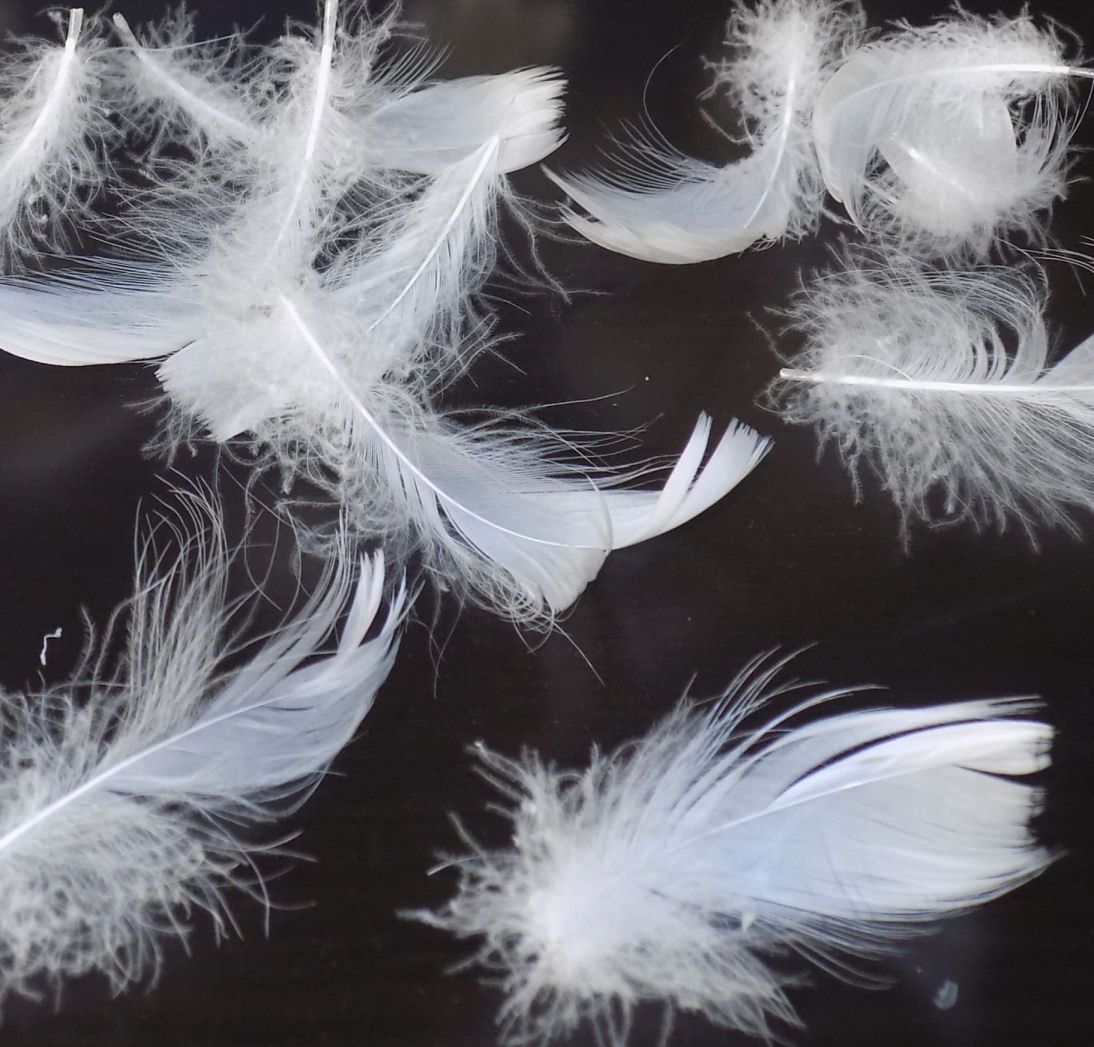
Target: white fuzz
946,136
941,383
663,206
174,90
123,792
51,139
683,866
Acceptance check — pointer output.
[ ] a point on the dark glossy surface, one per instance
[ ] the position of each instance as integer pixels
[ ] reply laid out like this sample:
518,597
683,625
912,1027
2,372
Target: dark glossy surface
785,561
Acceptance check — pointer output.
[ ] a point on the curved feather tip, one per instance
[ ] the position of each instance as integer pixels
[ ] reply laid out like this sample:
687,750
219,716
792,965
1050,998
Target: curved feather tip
680,867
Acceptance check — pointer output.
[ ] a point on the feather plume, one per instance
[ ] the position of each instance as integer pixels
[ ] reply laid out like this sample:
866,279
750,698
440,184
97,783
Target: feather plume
682,866
946,136
657,204
52,139
940,382
123,792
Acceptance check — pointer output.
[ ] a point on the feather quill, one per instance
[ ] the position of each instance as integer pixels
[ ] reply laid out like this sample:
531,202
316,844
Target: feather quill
680,867
941,383
654,202
946,136
123,792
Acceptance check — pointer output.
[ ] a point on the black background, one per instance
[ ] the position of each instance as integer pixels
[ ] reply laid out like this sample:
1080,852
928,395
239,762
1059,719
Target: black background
787,560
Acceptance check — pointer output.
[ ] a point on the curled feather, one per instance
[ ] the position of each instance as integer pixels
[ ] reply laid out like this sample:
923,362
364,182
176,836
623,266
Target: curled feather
947,136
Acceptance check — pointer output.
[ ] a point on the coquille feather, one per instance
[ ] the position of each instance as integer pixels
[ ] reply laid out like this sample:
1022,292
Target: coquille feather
947,136
942,384
125,793
655,203
689,865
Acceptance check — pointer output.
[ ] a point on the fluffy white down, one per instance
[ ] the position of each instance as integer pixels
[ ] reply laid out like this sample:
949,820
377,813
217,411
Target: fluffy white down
947,136
123,791
654,202
681,867
941,384
52,139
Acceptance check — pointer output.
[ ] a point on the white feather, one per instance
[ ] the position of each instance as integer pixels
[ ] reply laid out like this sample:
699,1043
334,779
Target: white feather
662,206
496,511
122,792
51,139
946,136
681,867
941,383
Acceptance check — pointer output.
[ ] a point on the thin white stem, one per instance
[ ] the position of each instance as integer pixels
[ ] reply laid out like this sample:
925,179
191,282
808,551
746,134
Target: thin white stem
998,388
489,152
311,143
39,127
346,387
200,108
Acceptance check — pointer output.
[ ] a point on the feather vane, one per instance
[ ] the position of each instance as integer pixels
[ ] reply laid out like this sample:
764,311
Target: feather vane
663,206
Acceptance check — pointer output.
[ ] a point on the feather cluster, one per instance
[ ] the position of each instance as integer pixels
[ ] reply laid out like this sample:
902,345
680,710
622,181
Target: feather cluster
684,866
937,138
126,792
314,232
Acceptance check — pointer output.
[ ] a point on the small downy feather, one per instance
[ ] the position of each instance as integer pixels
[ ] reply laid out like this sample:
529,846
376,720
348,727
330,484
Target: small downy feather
655,203
52,154
945,137
686,866
125,792
941,383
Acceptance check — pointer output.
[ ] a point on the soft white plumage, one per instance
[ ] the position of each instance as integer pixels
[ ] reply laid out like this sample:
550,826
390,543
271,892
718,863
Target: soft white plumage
52,138
681,867
658,204
519,519
941,383
945,136
122,791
